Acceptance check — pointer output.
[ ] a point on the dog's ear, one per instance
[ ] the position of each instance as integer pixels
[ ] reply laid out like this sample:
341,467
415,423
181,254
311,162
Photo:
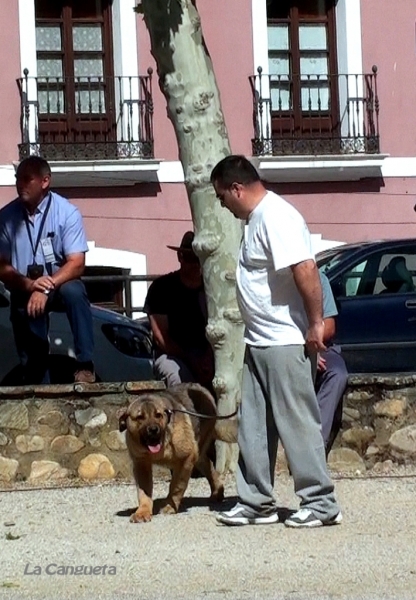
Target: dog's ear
122,415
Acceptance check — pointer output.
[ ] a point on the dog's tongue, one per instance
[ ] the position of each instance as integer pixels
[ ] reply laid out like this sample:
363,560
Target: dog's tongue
155,449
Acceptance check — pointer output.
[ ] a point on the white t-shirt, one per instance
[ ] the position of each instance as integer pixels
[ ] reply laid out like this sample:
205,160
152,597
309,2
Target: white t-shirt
275,237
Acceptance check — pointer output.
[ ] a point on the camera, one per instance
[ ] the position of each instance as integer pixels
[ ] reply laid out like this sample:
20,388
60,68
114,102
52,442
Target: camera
34,271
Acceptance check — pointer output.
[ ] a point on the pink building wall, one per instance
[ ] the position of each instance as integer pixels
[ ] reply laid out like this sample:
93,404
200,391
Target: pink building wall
389,41
353,211
371,209
145,217
10,71
232,57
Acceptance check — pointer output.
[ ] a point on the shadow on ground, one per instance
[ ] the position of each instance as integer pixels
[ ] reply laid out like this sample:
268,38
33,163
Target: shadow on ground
193,502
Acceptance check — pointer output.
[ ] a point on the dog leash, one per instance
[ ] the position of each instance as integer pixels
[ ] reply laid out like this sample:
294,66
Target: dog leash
170,411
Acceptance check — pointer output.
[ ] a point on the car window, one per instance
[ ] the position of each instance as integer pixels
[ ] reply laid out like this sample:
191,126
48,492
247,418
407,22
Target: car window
387,272
328,259
397,273
353,279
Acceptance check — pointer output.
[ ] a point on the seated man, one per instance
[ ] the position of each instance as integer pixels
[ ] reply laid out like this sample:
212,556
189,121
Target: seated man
332,374
177,310
42,257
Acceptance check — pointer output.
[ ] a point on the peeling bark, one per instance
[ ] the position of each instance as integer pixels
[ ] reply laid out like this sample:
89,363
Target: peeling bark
187,80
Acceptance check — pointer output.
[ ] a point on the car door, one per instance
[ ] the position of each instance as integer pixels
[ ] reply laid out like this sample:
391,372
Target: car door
9,357
376,325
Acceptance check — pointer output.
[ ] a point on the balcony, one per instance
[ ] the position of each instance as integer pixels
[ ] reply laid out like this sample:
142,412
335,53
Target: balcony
87,119
307,122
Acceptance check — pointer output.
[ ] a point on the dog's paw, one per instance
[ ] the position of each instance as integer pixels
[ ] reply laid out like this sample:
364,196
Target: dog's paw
217,495
141,516
168,509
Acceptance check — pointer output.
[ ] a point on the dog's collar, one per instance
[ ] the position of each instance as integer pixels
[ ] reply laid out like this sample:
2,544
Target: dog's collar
169,414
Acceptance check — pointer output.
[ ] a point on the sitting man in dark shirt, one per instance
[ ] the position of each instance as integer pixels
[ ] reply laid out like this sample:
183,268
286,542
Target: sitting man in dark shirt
177,310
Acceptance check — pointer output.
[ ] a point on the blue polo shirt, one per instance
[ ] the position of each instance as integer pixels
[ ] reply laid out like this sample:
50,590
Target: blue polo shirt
63,225
329,306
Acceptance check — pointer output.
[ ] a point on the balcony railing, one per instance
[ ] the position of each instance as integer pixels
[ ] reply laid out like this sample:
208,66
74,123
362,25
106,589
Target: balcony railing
86,118
315,114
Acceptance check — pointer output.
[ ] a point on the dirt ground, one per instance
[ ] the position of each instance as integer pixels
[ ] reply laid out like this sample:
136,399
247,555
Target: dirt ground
45,532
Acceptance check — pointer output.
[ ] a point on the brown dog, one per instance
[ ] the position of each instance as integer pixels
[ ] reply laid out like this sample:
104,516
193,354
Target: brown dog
156,434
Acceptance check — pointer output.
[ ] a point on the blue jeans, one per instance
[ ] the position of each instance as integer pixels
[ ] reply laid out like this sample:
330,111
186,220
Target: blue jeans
31,334
330,387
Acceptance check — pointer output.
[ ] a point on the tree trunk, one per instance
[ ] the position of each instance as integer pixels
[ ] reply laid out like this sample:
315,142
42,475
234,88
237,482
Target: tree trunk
187,80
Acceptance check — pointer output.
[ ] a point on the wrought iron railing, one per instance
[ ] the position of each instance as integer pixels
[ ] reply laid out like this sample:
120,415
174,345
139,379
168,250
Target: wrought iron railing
86,118
315,114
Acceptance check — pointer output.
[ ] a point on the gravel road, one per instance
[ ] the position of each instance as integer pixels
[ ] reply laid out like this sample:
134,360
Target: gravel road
372,555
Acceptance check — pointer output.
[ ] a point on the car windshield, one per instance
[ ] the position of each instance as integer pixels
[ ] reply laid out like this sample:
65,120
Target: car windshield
328,259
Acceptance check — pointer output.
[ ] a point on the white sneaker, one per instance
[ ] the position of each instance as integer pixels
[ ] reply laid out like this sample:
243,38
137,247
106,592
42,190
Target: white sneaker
244,515
305,518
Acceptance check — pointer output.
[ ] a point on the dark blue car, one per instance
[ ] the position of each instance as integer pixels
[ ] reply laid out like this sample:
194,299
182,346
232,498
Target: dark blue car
374,284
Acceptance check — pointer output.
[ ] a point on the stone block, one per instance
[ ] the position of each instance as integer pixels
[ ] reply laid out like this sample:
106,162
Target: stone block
29,443
8,469
403,442
14,415
390,408
350,414
345,460
83,416
96,466
144,386
54,419
116,440
359,395
372,451
383,468
46,470
53,391
94,389
358,437
97,421
66,444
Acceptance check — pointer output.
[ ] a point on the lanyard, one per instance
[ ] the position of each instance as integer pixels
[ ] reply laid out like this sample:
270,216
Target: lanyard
42,225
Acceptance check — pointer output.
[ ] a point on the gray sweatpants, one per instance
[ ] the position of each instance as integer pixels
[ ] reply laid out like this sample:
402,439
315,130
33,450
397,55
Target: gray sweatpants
278,401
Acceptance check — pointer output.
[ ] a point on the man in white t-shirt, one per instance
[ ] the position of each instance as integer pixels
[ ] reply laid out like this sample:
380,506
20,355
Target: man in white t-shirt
280,299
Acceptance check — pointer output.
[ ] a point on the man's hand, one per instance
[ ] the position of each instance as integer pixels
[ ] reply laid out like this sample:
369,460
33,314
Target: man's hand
314,338
36,305
43,284
307,280
321,364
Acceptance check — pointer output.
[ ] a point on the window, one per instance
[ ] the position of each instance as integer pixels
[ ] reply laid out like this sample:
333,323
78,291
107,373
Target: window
310,94
75,82
105,292
381,273
82,98
302,66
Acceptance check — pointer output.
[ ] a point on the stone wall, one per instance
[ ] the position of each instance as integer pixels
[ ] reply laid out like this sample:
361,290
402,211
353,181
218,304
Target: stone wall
52,433
379,424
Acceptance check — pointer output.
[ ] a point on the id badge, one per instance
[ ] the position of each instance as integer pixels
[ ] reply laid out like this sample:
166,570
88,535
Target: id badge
47,250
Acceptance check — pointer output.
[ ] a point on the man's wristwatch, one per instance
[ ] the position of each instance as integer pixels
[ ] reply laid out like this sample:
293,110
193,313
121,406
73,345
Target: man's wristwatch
46,292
